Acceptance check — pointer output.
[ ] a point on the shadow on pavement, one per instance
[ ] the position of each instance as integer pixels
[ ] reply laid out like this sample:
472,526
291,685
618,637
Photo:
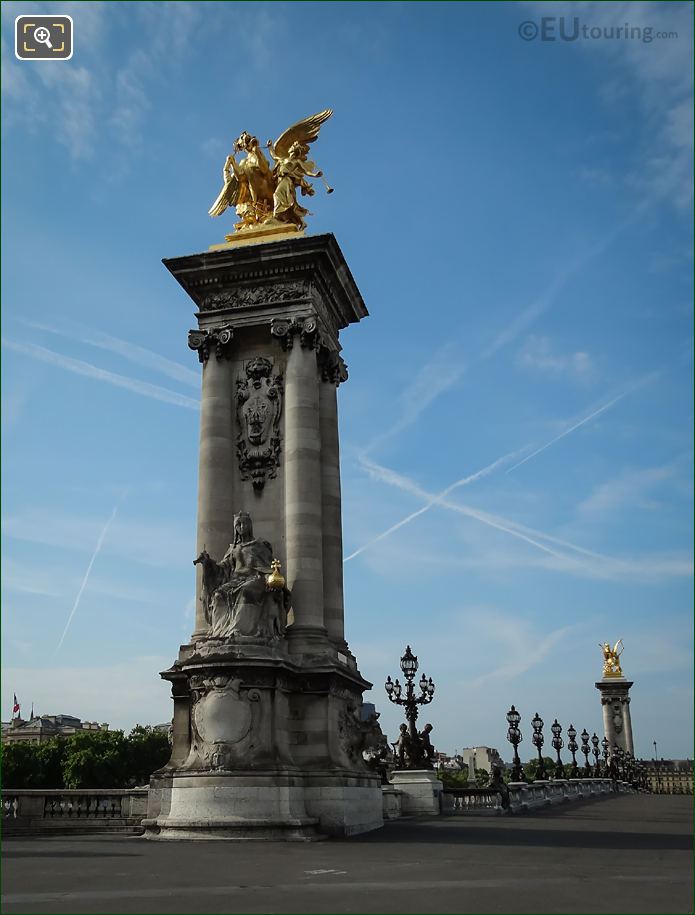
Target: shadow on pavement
447,833
9,852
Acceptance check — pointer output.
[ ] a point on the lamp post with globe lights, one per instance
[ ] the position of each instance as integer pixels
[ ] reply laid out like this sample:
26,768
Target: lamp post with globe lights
538,740
558,744
514,737
573,746
605,743
417,756
595,744
586,750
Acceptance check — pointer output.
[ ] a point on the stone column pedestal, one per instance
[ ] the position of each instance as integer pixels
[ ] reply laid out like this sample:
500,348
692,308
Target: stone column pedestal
420,791
615,702
267,740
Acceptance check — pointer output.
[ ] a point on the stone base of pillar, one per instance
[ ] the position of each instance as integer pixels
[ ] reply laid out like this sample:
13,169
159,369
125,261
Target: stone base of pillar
271,749
420,791
267,807
259,806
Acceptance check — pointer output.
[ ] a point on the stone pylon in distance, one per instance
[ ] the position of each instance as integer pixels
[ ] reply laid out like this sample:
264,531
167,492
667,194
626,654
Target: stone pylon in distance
266,731
615,703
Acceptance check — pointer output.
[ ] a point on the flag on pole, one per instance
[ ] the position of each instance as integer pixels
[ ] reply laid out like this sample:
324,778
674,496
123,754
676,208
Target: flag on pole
15,707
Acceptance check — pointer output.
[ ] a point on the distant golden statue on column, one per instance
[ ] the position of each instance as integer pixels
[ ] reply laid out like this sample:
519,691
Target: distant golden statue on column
265,197
611,659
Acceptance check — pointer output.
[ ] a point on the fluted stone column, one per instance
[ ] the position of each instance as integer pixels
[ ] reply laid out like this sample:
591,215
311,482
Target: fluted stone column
303,501
331,507
627,724
217,453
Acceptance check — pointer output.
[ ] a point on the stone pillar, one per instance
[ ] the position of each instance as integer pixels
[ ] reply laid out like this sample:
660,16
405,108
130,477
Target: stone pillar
267,729
615,702
216,503
303,501
331,507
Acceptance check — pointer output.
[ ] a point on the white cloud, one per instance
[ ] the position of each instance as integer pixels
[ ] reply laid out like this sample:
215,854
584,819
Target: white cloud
658,75
155,543
538,354
629,489
441,371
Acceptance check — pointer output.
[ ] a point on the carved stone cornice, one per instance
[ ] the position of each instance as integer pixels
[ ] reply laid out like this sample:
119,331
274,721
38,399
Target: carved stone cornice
202,341
332,366
245,296
285,330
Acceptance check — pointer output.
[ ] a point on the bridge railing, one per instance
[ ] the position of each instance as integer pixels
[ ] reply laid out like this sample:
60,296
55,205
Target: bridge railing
91,808
525,796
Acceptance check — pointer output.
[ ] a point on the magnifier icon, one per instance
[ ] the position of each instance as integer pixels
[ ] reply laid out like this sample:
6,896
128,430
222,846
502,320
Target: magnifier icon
43,36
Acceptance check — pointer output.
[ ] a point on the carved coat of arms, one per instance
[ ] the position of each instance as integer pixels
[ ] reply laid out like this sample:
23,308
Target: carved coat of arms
259,407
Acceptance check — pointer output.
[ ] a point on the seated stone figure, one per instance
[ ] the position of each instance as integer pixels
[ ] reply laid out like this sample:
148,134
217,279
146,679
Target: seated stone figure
241,597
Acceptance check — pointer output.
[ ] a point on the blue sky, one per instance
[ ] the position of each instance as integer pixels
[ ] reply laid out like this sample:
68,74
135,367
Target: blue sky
517,216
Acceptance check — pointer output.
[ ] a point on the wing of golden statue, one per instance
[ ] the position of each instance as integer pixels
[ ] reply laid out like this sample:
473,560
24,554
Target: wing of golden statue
615,649
305,131
228,196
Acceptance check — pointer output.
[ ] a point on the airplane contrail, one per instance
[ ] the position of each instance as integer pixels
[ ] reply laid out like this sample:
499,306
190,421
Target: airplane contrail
96,552
586,419
433,500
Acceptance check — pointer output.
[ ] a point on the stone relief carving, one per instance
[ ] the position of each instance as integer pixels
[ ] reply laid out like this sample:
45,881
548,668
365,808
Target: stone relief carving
361,738
244,597
259,406
202,341
222,719
286,329
333,369
243,296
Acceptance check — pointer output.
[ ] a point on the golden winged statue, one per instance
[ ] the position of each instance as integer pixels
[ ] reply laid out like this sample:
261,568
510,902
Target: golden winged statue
611,659
265,197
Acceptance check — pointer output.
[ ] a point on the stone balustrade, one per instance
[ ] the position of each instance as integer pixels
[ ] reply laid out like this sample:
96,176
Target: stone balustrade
83,810
526,796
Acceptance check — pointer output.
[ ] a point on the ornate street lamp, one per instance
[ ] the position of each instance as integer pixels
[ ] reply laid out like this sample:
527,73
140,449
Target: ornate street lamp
595,744
558,744
585,750
514,737
605,743
537,740
573,746
416,753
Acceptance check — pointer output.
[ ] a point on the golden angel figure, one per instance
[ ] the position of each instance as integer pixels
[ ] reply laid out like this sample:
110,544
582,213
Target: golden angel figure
265,197
611,659
248,184
293,168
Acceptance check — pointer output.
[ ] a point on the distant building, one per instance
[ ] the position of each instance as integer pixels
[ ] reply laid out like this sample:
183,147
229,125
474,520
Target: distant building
485,757
669,776
41,728
451,763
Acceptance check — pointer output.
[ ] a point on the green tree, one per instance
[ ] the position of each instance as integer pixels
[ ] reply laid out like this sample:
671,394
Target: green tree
49,762
531,767
454,778
96,759
18,765
148,750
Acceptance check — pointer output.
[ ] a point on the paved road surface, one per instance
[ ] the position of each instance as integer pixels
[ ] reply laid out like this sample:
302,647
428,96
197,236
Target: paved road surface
626,854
